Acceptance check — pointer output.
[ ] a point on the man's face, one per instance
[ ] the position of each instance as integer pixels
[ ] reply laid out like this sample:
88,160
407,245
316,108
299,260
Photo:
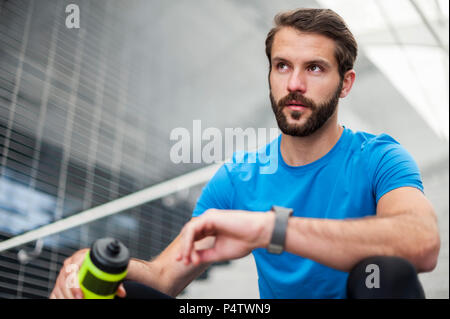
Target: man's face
305,85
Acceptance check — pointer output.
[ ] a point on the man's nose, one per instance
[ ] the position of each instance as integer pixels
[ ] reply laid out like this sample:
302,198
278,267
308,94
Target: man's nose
297,82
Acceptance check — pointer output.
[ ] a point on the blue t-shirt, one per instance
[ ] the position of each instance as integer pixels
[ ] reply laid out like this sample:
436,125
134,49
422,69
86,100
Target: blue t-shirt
347,182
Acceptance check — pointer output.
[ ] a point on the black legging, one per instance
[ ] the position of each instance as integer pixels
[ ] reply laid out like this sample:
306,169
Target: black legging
136,290
397,279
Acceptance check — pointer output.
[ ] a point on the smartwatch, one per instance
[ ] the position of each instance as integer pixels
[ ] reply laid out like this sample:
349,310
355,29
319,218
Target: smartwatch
282,215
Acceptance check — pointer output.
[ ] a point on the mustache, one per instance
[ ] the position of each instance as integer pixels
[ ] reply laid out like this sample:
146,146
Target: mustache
298,97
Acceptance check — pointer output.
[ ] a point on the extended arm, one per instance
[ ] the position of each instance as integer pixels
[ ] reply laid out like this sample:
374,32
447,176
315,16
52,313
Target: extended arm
162,273
405,226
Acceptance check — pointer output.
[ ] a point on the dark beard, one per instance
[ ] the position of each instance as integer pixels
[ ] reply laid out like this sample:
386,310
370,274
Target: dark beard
319,115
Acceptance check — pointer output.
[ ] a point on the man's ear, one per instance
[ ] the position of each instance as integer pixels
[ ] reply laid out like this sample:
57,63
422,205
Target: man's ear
349,79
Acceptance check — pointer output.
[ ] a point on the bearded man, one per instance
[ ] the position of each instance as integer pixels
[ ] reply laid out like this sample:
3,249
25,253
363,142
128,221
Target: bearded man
342,205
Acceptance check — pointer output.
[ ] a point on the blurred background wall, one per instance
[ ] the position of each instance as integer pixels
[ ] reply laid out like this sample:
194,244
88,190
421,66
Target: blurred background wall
86,115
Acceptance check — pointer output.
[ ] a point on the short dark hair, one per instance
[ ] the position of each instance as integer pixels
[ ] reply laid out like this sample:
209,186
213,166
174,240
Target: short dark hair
321,21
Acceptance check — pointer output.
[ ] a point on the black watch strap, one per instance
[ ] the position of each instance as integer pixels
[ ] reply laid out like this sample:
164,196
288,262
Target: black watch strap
282,215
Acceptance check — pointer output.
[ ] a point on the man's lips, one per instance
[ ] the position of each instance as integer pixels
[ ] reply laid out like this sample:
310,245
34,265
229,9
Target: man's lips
295,106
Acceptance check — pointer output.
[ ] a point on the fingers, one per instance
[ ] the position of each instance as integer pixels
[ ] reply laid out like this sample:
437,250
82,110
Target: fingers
205,256
192,234
67,292
64,290
195,259
234,235
121,292
187,243
60,291
193,231
67,285
56,295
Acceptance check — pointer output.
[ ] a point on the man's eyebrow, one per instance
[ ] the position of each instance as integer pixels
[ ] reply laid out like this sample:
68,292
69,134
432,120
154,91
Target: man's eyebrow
313,61
319,61
277,58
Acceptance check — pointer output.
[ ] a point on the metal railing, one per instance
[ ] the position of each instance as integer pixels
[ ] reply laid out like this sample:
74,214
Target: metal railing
148,194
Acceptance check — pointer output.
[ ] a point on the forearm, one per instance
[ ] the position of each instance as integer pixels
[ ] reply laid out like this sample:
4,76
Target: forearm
164,273
146,273
340,244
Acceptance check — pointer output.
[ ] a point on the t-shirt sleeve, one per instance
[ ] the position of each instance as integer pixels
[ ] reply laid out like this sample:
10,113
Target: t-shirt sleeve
391,166
218,193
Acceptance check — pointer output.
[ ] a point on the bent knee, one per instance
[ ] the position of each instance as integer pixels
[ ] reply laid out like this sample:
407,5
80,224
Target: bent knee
384,277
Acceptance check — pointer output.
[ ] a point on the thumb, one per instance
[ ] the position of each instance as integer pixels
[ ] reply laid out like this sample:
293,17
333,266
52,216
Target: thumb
121,291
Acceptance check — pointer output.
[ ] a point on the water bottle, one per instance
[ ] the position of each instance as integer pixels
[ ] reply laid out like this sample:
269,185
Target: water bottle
103,269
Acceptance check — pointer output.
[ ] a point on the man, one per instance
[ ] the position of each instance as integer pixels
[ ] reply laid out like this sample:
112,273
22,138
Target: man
339,203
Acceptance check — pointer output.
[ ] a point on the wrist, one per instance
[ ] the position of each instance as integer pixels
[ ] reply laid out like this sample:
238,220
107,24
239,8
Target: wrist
278,238
137,270
268,223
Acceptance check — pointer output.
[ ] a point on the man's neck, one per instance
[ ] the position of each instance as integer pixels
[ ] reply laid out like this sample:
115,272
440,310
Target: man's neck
298,151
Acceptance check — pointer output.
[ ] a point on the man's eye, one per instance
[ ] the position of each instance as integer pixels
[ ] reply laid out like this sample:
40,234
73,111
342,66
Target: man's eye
282,66
315,68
